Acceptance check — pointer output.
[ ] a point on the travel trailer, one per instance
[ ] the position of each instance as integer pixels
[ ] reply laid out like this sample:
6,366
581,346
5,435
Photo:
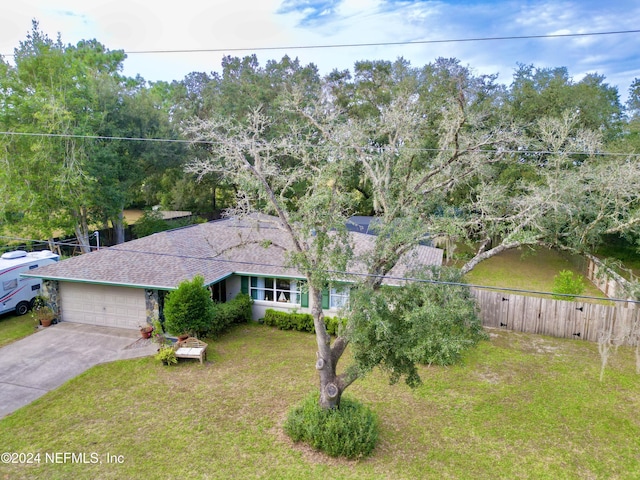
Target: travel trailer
19,293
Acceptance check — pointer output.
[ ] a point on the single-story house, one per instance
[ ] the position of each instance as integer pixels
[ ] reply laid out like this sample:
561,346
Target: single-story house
125,285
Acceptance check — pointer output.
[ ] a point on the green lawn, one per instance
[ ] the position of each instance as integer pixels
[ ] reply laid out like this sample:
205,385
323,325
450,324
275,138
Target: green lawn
521,406
528,269
13,328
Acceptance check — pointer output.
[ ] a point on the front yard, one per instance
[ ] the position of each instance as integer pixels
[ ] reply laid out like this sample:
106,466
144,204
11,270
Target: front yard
522,406
14,328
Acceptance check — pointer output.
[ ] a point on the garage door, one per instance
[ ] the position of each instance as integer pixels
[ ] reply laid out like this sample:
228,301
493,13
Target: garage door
102,305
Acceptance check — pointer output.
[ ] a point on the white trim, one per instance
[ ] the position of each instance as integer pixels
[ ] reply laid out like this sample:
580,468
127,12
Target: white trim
261,291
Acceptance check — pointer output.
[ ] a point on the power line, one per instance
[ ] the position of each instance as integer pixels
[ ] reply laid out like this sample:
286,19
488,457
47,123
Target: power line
377,44
52,242
309,145
387,44
352,274
99,137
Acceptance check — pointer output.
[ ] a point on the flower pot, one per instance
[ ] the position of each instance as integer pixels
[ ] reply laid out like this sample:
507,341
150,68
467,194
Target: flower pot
146,332
46,322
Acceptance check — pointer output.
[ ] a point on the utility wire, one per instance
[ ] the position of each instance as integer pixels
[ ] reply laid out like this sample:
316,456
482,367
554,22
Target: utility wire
310,145
48,242
377,44
119,248
386,44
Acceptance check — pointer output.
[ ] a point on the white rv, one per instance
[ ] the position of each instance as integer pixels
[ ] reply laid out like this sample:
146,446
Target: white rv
18,293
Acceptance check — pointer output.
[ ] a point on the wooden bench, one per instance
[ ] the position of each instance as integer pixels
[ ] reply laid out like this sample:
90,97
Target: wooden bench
191,348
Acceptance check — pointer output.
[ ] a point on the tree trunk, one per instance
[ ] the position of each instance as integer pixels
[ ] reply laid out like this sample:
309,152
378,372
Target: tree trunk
82,231
331,386
54,246
118,228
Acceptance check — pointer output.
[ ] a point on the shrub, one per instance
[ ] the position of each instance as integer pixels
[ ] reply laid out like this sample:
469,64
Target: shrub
350,431
301,322
237,310
334,324
167,355
189,309
566,282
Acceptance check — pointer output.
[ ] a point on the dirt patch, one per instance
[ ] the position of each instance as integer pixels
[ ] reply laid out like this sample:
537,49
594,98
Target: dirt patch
524,342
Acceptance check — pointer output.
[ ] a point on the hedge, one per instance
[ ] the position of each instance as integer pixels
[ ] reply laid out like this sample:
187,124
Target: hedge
237,310
301,322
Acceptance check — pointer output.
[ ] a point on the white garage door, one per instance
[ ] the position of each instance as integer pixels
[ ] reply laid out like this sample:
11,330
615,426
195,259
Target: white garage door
102,305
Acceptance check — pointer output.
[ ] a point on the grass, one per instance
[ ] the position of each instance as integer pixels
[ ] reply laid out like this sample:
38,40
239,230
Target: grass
528,269
521,406
14,328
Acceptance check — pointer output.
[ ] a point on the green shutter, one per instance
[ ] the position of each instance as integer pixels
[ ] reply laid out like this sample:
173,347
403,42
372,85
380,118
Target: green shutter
244,285
304,298
325,298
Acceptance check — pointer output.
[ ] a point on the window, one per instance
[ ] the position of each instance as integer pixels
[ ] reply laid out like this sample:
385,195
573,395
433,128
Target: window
10,284
339,297
283,290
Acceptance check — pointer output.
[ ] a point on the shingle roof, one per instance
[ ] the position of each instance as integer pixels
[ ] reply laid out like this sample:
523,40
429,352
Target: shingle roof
214,250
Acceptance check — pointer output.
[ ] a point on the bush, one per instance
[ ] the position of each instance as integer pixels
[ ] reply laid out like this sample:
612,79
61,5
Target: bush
189,309
301,322
350,431
237,310
566,282
334,324
167,355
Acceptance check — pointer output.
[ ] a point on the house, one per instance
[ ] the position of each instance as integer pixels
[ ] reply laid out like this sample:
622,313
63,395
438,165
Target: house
125,285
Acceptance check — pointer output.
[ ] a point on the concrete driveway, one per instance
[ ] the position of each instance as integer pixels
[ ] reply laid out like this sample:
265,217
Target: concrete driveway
31,367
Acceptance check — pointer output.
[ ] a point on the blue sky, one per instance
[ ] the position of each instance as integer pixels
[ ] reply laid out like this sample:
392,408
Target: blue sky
135,25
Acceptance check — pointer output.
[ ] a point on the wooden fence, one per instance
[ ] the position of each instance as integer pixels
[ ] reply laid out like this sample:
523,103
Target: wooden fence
609,282
559,318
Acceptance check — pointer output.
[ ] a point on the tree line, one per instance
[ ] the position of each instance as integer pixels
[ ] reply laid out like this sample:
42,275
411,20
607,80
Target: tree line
492,151
437,153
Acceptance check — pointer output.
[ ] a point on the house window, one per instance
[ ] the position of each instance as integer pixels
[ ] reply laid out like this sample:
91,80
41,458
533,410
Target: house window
339,297
283,290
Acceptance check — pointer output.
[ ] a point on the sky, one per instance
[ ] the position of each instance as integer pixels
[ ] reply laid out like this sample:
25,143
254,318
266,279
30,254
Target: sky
142,25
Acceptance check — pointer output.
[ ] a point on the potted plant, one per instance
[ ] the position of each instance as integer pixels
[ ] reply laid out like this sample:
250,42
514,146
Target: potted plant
44,315
167,355
146,331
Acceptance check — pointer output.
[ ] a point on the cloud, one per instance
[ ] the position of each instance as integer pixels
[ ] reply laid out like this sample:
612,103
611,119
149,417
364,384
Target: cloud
192,24
310,12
